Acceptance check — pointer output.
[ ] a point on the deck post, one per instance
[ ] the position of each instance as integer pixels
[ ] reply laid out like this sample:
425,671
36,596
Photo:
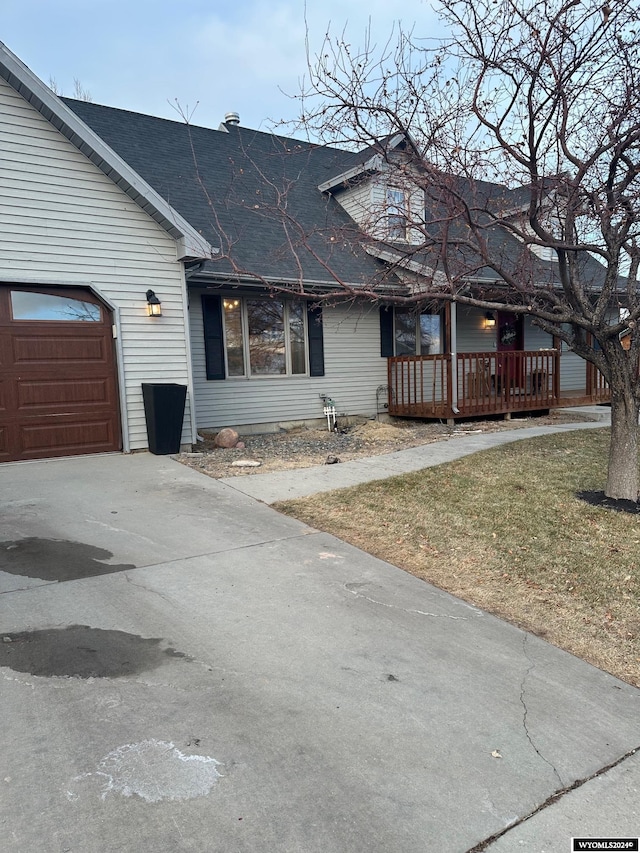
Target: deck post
452,384
556,372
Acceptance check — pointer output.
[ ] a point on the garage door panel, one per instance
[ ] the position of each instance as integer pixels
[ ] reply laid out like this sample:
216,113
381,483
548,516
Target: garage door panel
53,393
39,350
58,386
4,443
66,437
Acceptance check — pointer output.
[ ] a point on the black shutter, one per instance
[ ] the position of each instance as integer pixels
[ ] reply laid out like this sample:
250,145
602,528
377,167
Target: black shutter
386,331
213,337
316,340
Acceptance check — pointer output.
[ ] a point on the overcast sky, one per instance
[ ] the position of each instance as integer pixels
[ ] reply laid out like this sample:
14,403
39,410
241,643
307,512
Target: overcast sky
229,55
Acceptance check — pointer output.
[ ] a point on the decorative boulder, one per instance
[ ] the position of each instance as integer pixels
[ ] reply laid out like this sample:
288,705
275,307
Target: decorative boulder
227,437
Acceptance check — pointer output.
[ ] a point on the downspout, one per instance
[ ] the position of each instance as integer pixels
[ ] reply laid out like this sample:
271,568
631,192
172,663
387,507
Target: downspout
188,352
122,387
193,268
189,270
454,358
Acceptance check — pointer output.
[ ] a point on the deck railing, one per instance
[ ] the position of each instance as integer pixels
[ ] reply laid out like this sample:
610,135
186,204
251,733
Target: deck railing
486,383
597,386
419,385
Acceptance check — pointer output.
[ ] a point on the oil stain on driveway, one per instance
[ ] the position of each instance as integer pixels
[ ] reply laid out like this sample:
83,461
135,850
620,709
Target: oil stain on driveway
79,651
55,559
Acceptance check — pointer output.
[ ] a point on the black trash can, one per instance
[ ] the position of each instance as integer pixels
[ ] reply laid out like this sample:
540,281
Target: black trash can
164,412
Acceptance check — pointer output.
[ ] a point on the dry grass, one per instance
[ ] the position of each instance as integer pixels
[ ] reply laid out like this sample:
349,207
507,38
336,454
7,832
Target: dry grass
505,531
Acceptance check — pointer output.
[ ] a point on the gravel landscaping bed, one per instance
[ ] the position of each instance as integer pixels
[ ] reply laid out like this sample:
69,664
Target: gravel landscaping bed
303,448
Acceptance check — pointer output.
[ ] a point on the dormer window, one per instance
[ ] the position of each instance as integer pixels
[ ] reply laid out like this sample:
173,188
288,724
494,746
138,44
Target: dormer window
396,214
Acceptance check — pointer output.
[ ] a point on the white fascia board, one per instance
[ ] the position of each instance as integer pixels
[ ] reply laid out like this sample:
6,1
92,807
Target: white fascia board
191,244
397,258
421,269
373,164
194,247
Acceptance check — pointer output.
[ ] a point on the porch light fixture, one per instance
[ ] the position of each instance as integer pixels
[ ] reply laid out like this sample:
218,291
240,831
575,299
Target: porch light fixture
490,320
154,306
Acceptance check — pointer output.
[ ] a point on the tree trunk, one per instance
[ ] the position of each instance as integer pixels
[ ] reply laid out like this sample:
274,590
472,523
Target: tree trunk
622,479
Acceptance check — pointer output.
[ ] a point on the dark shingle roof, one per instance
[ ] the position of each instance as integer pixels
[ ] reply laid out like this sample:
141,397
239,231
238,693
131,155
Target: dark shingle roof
253,195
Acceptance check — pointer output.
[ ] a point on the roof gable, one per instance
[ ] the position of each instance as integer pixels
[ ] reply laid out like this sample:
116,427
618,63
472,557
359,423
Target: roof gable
35,92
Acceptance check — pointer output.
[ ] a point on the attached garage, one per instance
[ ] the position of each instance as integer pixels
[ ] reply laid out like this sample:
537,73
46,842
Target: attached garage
58,381
83,238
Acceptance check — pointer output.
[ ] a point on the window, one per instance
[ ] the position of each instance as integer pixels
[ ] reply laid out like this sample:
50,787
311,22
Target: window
396,214
29,305
417,334
405,332
261,336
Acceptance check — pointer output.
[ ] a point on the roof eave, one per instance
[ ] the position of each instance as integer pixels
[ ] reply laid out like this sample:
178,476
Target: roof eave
275,281
373,164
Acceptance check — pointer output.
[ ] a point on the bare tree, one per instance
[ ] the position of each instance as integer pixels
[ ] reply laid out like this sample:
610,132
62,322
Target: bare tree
544,98
79,91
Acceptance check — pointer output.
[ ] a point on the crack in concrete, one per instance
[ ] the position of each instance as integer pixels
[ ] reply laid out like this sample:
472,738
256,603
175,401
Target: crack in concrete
551,800
529,670
146,588
231,550
408,609
26,588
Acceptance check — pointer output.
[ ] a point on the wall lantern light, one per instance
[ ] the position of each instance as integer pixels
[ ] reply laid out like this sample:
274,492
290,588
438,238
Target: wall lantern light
154,306
490,320
625,339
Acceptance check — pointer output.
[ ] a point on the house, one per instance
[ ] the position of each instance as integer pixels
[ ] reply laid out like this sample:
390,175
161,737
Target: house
252,244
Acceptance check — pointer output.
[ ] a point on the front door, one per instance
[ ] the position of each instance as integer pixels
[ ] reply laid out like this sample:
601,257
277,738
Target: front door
509,368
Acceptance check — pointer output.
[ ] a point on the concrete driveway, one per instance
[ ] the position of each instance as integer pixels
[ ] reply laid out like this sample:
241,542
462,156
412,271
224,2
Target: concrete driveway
183,669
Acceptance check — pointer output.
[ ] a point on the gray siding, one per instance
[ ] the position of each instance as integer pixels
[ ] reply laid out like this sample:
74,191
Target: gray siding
63,221
573,371
356,200
366,204
535,338
353,372
473,337
471,334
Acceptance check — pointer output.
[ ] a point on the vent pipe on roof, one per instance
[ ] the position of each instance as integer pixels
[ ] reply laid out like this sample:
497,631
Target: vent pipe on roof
232,118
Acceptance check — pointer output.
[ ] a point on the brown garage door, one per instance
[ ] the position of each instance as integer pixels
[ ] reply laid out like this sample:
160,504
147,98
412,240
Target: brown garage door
58,388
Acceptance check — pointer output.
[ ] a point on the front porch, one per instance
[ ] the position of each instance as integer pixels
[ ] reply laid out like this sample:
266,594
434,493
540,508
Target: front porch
488,383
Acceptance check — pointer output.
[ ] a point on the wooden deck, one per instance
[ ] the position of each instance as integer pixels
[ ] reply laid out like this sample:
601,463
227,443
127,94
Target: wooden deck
485,383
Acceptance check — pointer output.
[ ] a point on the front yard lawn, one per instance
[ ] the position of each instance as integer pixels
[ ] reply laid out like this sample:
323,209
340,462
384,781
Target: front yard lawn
505,530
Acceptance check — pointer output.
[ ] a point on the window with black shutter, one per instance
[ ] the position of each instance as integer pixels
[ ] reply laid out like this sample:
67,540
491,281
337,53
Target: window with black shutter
213,336
261,336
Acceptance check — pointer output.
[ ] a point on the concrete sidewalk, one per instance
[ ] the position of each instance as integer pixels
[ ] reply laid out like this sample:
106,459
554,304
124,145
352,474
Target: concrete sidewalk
298,483
256,685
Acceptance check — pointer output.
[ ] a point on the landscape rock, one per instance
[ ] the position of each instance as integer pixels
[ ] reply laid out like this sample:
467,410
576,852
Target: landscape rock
246,463
227,437
305,447
332,460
